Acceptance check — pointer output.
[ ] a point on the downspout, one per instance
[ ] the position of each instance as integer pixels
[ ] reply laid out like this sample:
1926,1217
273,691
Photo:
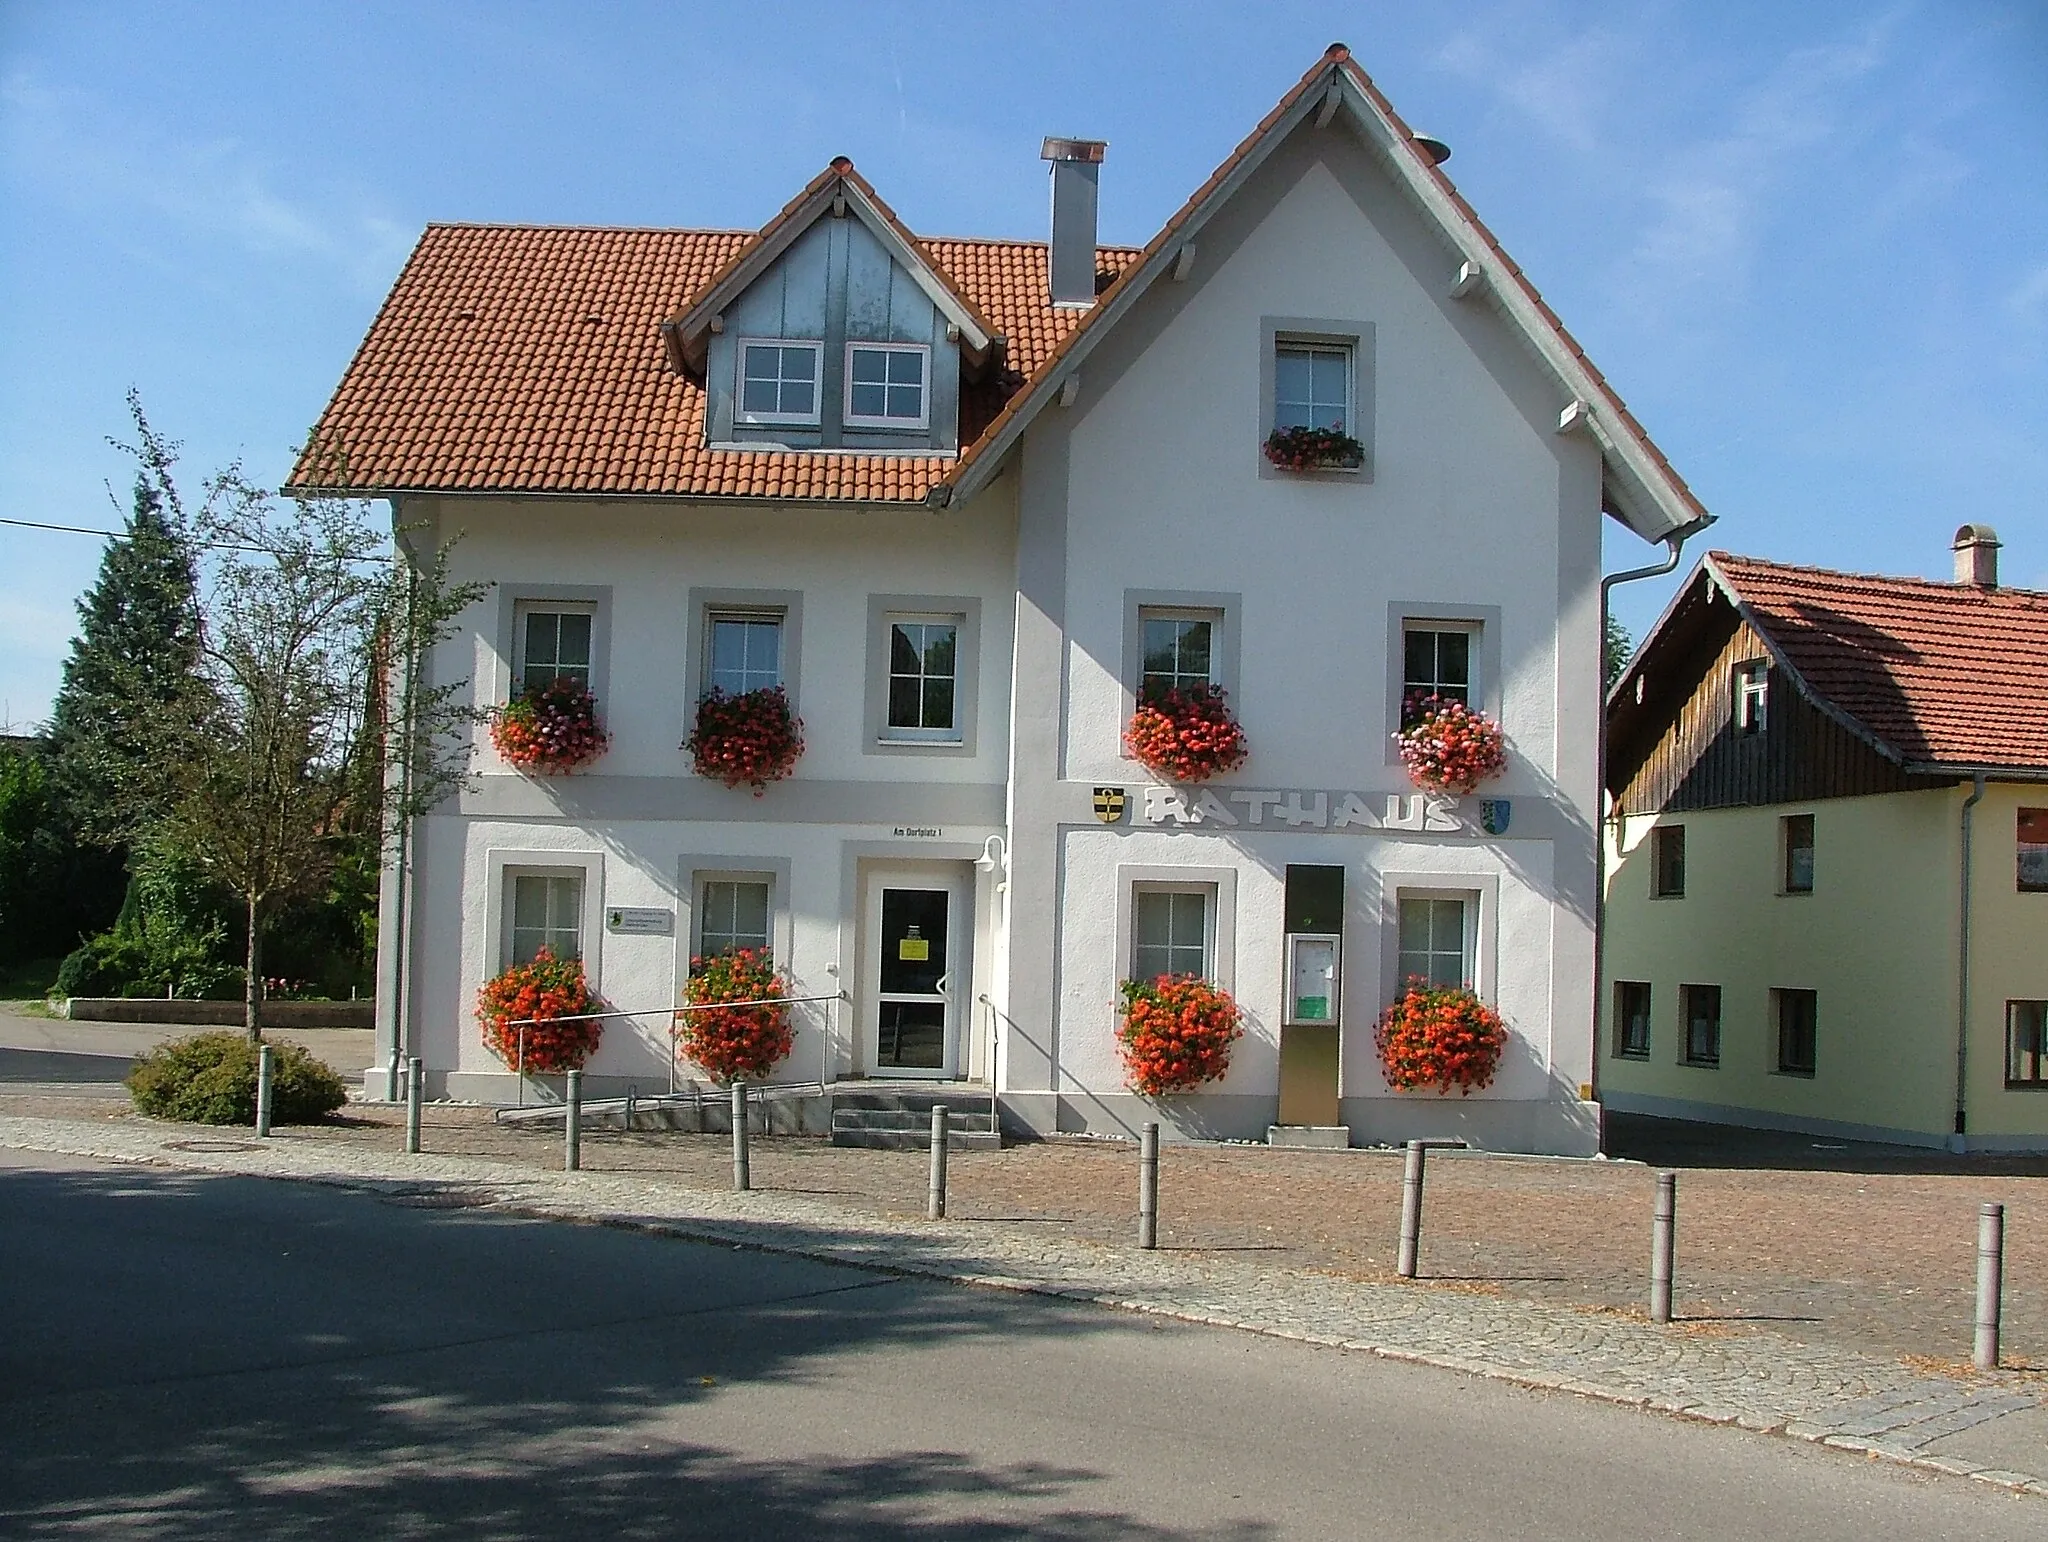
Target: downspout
1674,547
401,1005
1957,1141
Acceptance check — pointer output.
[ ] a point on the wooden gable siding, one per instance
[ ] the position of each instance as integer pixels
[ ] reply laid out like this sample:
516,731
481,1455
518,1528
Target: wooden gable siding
1699,761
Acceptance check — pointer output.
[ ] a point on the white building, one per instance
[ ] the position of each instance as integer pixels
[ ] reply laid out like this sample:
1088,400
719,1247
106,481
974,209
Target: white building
686,458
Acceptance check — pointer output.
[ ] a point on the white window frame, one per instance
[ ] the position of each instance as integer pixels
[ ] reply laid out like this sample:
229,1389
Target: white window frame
1348,348
923,420
1213,617
1752,704
891,733
813,418
701,879
1207,894
1481,893
1468,942
523,612
1220,883
1474,633
757,615
501,865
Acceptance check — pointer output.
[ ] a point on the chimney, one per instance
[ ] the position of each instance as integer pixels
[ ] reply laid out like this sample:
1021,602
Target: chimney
1976,549
1075,165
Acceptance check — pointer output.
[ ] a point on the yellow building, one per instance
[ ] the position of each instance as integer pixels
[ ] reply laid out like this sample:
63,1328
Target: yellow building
1827,857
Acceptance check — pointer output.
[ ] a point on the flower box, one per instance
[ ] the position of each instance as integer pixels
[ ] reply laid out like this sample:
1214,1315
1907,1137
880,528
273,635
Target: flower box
554,993
551,729
1186,734
748,736
1314,449
732,1043
1176,1033
1439,1036
1448,746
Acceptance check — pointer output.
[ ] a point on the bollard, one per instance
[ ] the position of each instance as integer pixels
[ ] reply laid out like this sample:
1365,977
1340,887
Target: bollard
1411,1211
1990,1282
742,1177
391,1077
1148,1187
1663,1246
632,1097
935,1199
572,1126
263,1091
415,1084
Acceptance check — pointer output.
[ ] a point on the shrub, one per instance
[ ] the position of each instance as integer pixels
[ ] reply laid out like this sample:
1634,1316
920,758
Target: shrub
1176,1033
1188,735
1441,1036
547,990
1449,747
552,728
751,737
734,1042
210,1078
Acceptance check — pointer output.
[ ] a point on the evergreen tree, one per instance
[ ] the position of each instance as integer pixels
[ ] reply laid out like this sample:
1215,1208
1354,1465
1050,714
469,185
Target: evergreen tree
136,650
1619,649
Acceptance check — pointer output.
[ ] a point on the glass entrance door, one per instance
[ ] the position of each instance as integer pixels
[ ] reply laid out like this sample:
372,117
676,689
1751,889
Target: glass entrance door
913,926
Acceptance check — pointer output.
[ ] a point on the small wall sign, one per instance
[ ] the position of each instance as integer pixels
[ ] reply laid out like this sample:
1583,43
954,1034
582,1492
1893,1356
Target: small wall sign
640,921
920,832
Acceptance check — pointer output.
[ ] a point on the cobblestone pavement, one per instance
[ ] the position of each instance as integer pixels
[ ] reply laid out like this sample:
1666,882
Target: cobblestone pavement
1759,1379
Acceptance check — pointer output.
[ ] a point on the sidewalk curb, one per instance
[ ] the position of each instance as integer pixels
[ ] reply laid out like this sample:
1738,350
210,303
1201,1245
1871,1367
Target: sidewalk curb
724,1234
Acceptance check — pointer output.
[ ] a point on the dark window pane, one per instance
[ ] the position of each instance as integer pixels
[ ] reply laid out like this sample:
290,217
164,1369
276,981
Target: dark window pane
938,702
903,702
913,940
903,649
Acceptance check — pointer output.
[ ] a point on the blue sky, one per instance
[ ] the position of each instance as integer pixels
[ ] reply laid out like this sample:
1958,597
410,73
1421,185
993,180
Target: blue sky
1808,244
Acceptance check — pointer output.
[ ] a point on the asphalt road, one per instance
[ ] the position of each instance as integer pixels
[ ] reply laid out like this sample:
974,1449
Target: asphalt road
195,1357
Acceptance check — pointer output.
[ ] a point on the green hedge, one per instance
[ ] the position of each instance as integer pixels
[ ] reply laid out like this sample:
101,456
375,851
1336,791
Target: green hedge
210,1078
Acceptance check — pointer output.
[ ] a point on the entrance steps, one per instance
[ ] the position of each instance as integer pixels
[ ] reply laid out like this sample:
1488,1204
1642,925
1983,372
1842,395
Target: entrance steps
899,1118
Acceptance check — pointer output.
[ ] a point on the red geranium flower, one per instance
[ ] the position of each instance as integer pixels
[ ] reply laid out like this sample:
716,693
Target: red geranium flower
734,1042
1187,734
750,737
1176,1033
1448,747
549,989
551,728
1441,1036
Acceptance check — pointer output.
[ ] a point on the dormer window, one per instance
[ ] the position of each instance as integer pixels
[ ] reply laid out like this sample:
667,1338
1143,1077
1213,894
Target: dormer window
885,385
1752,695
779,381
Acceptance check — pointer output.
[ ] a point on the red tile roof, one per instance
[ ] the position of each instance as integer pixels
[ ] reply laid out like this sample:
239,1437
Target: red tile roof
523,358
1937,674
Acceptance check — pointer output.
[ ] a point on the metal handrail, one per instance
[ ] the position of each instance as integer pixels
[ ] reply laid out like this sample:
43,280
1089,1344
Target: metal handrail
767,1092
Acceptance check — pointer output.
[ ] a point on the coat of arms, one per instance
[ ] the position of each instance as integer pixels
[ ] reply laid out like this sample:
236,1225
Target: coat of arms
1494,814
1109,804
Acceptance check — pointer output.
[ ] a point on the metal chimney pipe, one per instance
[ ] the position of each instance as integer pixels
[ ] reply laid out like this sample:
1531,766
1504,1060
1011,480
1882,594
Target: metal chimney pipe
1076,164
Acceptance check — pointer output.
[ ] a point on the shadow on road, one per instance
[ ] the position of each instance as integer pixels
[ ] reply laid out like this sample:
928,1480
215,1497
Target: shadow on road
195,1358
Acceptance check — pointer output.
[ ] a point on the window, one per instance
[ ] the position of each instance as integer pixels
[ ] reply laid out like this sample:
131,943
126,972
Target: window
1435,941
1170,931
733,914
1700,1008
1667,861
1797,1013
1435,661
1752,695
778,382
1798,839
1312,386
923,678
1179,651
2033,851
554,644
885,385
1632,1019
2026,1044
547,912
745,651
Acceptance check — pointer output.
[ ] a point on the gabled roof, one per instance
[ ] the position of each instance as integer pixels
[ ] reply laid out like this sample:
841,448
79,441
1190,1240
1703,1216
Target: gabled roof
547,359
836,189
1935,677
529,359
1640,486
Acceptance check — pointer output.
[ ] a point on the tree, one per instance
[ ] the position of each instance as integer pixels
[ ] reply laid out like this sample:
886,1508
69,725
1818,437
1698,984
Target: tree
137,645
1620,648
279,759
